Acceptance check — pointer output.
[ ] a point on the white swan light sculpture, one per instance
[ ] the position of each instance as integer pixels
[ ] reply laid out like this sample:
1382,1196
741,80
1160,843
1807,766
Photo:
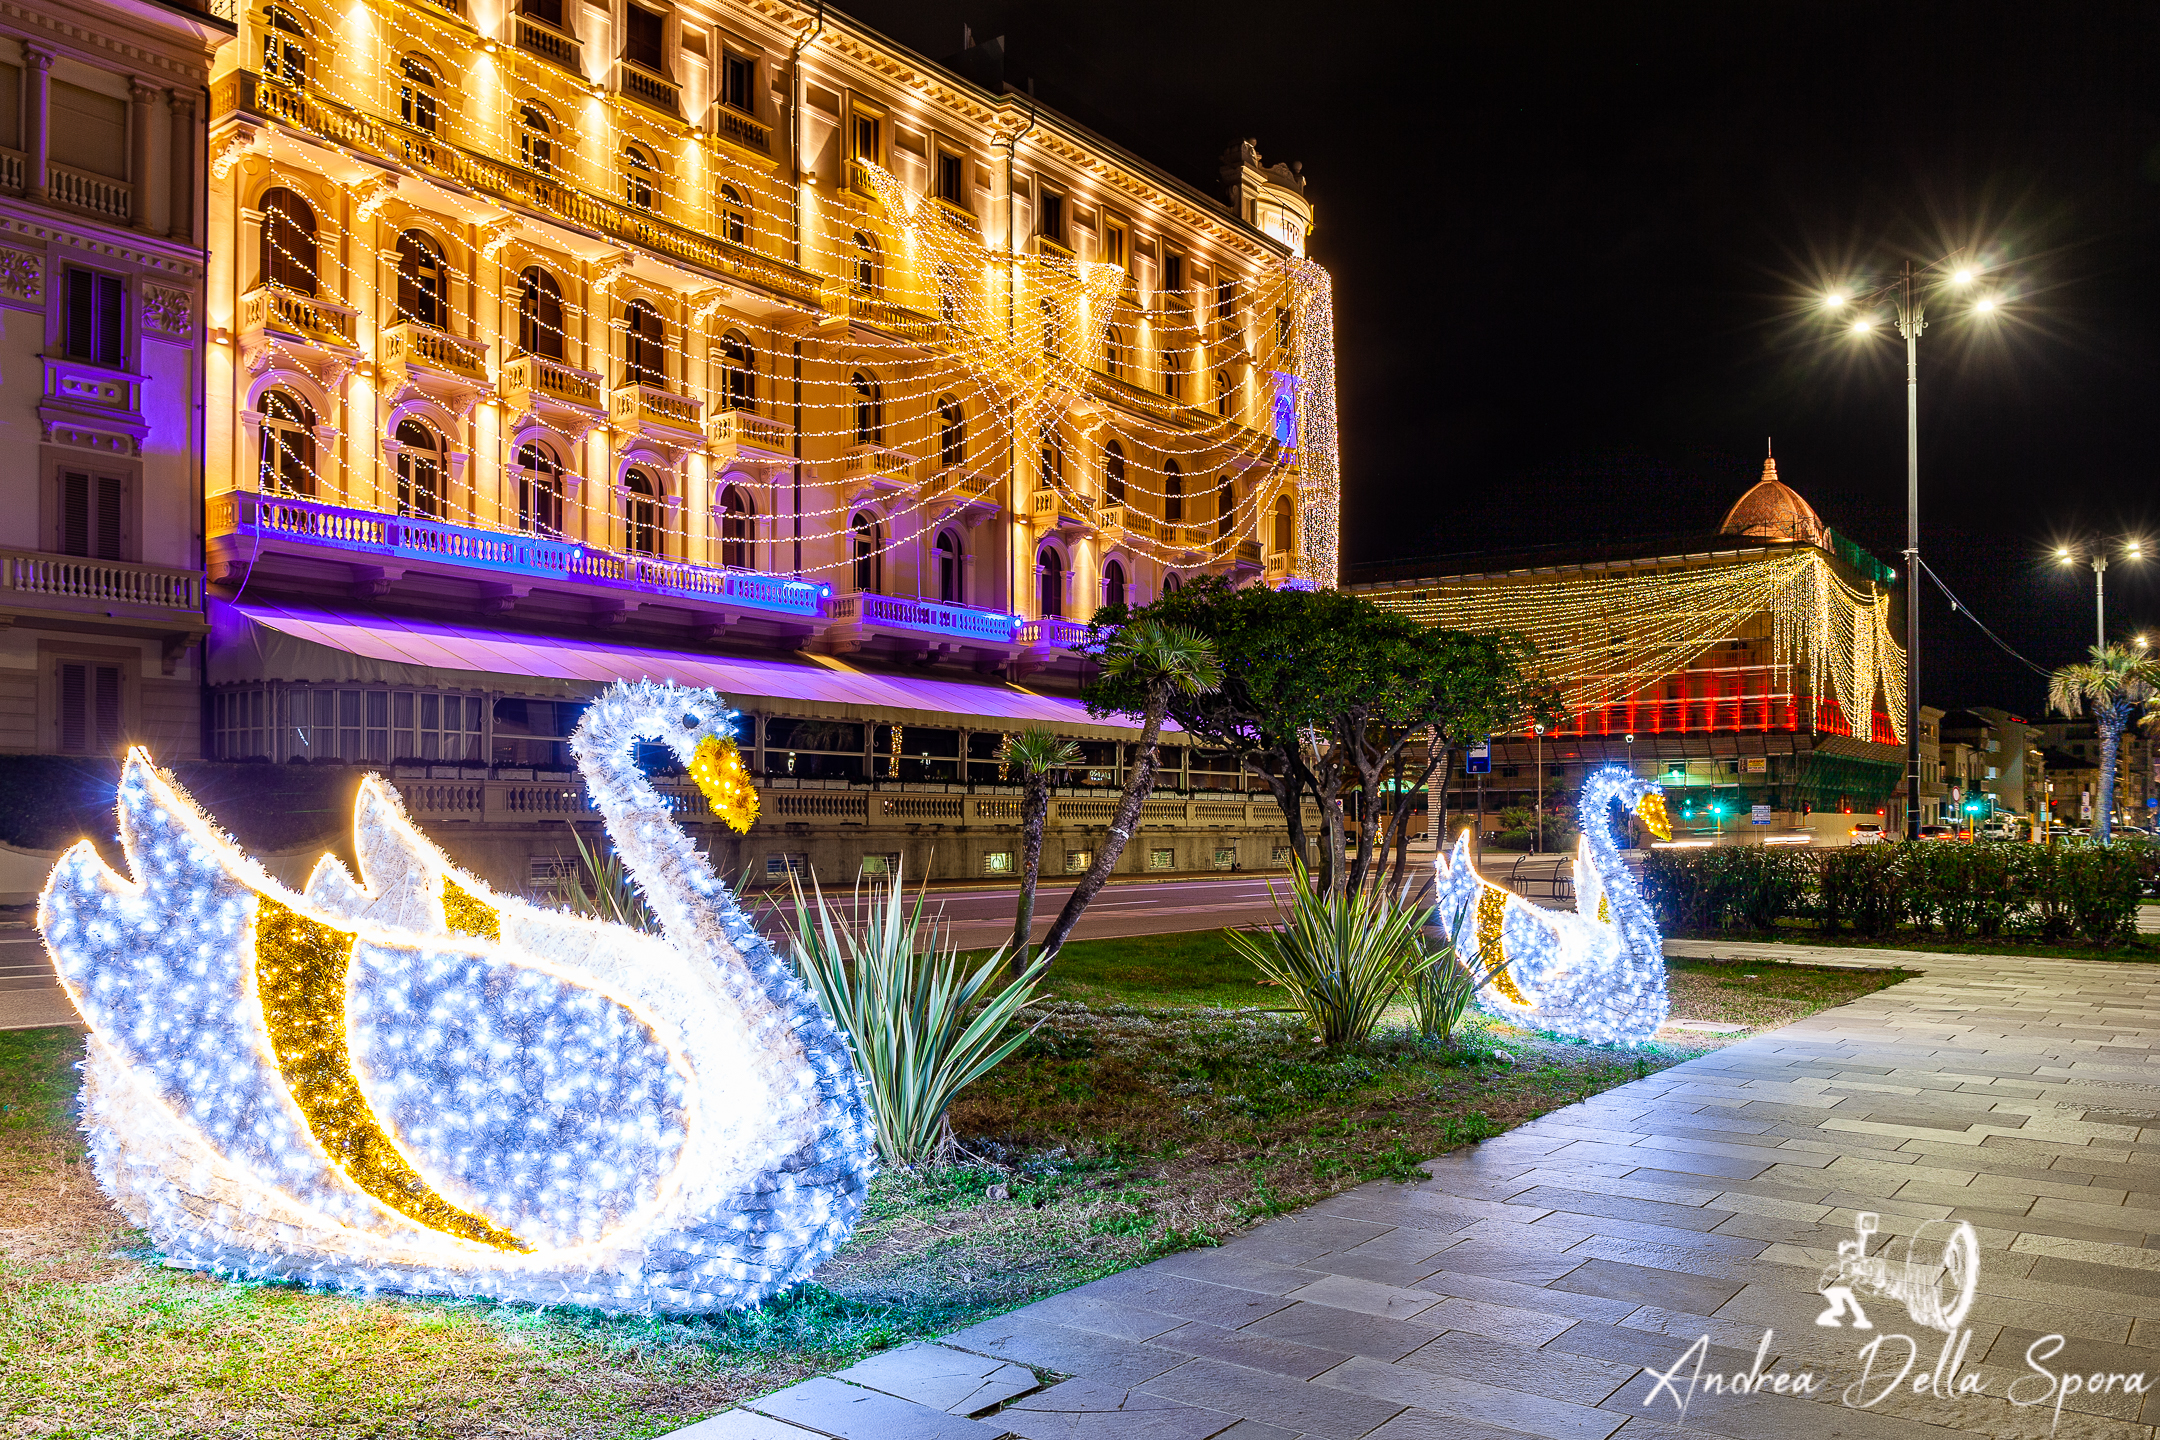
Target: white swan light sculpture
1598,973
423,1086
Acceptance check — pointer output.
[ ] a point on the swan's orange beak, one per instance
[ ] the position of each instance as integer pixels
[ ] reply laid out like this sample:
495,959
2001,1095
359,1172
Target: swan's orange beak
717,766
1651,810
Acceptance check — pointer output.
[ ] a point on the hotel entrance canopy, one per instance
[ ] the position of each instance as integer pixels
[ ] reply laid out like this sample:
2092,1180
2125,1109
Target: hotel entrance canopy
252,643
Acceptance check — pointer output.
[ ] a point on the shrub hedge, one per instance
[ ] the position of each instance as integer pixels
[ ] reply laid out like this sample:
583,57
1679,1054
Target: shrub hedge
1985,889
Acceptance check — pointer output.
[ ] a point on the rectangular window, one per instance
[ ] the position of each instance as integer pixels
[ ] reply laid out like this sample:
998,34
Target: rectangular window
1077,861
378,726
1226,859
642,43
1162,859
548,12
1113,242
790,862
866,138
952,179
1053,217
90,515
1173,272
997,862
738,83
89,708
880,867
96,317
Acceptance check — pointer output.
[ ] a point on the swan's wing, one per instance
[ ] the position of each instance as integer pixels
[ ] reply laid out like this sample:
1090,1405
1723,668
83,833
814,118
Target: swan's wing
397,888
1455,888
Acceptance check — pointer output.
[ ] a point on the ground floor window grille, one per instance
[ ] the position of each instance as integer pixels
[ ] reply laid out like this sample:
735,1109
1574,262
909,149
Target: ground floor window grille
1077,861
786,863
1226,859
998,862
1162,859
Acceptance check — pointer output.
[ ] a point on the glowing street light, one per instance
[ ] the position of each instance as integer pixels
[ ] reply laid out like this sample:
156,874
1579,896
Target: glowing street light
1906,296
2095,554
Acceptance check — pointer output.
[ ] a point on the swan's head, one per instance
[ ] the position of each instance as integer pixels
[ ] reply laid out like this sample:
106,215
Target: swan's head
699,727
1646,798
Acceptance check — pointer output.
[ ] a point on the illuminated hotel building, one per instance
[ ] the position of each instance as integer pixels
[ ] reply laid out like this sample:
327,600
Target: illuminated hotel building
102,106
1753,667
730,343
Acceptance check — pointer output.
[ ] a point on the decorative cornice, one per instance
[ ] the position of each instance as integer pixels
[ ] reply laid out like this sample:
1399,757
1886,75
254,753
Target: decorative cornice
178,262
41,18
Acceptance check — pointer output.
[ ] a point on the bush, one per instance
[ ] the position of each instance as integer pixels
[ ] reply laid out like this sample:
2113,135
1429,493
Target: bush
1747,886
2101,885
1443,981
1343,958
1863,887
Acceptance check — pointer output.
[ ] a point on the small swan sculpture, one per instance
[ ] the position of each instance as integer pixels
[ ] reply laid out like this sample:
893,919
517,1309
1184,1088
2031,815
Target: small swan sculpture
412,1083
1597,973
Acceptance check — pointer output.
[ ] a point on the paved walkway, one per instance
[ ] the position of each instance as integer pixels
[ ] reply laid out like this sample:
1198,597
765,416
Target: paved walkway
1535,1281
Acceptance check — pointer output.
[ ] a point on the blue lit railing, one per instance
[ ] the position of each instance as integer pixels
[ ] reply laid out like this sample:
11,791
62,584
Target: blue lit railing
896,612
500,552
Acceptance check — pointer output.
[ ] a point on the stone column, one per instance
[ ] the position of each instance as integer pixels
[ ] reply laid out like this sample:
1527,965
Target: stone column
185,182
37,112
148,216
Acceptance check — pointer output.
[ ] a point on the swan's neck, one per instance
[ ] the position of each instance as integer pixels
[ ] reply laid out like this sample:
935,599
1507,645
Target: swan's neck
678,881
1629,914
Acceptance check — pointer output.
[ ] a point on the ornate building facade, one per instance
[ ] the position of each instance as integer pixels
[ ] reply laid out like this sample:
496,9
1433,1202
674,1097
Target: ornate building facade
102,106
725,341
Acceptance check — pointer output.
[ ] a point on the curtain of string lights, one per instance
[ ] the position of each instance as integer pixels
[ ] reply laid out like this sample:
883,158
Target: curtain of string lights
1046,355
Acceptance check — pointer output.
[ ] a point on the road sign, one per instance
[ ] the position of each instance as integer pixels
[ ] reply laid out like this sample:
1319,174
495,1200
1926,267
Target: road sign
1760,815
1477,759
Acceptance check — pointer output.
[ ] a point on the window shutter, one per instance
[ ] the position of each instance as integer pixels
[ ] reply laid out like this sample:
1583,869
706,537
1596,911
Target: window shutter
90,515
111,323
75,488
90,704
74,708
106,699
108,517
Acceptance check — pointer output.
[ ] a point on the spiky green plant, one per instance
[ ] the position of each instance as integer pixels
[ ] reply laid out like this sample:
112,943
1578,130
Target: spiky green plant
1343,957
1443,981
921,1027
601,887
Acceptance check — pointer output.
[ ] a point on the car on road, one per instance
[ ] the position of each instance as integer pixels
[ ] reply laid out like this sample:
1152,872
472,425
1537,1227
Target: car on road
1867,832
1938,832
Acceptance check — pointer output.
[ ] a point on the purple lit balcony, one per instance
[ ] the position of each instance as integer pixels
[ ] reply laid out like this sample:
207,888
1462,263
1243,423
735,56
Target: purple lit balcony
918,626
370,550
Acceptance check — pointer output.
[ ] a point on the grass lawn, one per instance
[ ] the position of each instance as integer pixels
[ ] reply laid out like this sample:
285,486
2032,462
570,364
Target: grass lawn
1162,1103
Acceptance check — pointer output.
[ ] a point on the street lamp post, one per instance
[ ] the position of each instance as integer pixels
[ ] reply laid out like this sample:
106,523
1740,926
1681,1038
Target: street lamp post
1537,814
2098,559
1907,296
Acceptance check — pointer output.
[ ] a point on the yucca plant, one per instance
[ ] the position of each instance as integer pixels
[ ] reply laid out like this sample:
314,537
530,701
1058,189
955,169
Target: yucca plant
602,888
922,1027
1343,957
1443,981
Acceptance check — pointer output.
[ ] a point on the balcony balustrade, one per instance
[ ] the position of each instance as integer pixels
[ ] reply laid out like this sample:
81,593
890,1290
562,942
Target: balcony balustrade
536,37
957,490
897,321
31,577
1123,519
662,414
654,91
314,328
13,163
1281,565
1052,633
746,131
561,394
83,190
1054,509
879,466
861,616
258,522
745,435
1247,555
432,360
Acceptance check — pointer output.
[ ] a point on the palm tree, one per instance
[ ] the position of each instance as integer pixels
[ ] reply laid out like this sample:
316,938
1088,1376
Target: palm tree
1034,756
2115,685
1162,659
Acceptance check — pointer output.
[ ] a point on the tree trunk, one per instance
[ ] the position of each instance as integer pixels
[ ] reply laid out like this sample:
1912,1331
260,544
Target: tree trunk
1290,799
1034,811
1123,823
2111,727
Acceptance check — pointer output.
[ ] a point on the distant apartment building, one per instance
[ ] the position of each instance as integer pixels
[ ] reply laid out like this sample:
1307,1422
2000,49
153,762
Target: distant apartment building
729,343
2000,753
102,106
2074,773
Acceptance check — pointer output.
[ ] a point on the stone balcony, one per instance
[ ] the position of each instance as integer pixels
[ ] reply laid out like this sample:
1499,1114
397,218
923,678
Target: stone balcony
537,37
658,414
920,628
1054,509
880,467
316,329
433,362
744,132
116,597
748,438
558,395
652,90
956,492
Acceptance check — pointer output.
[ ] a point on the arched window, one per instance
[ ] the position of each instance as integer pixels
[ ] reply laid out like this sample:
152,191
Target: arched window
734,217
288,445
1050,453
641,514
869,410
416,94
865,265
644,345
1171,584
738,529
1113,473
1050,582
288,241
540,329
536,140
1225,508
951,568
540,490
284,48
738,372
1285,526
1173,486
1117,354
1113,583
1222,394
419,470
952,433
869,557
637,178
419,280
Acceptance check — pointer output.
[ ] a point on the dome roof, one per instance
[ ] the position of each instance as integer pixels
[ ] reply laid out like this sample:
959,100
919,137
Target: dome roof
1773,510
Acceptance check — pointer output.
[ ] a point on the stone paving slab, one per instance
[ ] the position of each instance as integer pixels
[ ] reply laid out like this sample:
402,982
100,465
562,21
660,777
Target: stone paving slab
1541,1283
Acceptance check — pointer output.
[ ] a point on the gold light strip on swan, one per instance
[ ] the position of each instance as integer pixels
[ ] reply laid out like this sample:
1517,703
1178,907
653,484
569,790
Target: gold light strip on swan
1491,915
300,969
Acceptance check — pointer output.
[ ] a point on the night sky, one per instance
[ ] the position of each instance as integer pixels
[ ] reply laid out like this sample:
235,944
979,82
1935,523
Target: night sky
1574,250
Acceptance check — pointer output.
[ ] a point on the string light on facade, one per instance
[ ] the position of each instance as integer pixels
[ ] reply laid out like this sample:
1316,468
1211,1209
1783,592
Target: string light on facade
411,1083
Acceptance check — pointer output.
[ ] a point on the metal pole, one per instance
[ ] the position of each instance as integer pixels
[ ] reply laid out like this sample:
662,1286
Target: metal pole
1537,814
2099,565
1911,322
